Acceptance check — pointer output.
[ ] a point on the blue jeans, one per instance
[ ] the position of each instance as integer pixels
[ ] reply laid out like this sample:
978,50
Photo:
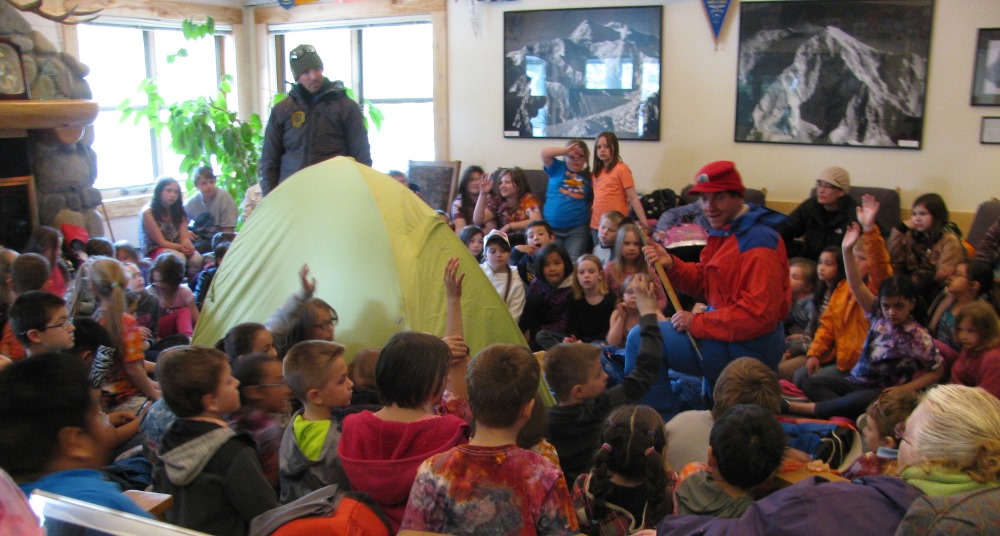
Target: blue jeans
679,355
576,240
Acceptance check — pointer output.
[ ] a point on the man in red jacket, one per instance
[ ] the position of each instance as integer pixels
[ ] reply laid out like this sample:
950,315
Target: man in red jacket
742,278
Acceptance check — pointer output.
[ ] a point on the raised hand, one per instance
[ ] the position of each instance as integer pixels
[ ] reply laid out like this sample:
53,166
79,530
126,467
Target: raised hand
485,184
453,279
645,294
851,236
867,212
308,283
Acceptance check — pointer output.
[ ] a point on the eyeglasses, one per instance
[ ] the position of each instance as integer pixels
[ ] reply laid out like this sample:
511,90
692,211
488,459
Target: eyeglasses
64,324
329,323
300,51
824,184
282,384
900,431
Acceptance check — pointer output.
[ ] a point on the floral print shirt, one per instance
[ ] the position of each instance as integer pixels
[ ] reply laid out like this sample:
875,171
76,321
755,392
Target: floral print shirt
892,354
490,490
505,213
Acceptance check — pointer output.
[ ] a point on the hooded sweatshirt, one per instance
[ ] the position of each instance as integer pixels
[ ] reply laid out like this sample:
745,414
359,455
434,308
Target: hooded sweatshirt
214,476
699,494
298,474
381,457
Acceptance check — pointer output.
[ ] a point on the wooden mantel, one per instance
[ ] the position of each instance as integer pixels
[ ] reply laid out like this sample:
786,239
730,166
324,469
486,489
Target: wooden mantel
60,120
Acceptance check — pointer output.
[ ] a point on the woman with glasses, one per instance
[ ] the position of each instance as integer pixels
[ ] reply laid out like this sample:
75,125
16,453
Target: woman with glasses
820,220
950,450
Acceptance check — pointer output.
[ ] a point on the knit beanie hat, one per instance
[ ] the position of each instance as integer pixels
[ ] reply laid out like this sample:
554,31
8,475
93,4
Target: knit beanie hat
303,58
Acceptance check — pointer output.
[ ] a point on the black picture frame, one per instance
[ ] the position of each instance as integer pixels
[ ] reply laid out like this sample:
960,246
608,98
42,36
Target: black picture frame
847,73
986,79
574,73
989,131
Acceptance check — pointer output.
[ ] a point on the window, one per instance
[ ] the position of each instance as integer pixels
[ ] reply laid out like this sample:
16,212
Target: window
120,56
388,64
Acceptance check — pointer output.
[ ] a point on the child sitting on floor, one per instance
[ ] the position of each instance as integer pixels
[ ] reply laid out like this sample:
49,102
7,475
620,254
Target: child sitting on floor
497,269
590,308
604,249
263,393
881,440
362,373
381,450
978,363
575,374
492,486
539,234
28,272
40,322
829,272
626,313
545,320
971,282
178,312
631,486
317,374
247,338
55,436
211,471
745,451
897,347
124,373
628,260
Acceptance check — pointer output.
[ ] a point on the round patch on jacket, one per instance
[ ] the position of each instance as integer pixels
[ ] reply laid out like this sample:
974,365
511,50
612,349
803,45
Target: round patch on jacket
298,118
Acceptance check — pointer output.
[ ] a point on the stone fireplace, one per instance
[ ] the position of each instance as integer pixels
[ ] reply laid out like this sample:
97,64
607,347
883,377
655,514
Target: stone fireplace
49,138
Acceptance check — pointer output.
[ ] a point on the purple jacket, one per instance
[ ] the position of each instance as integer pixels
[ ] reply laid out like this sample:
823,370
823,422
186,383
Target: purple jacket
870,505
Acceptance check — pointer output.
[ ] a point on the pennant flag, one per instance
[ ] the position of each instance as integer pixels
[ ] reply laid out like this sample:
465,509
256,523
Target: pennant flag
716,10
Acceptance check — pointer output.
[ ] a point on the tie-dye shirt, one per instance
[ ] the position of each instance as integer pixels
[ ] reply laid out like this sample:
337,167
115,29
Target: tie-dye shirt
490,490
893,354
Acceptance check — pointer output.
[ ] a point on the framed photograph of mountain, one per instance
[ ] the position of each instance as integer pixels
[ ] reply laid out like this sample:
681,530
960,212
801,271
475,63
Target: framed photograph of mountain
986,81
574,73
847,73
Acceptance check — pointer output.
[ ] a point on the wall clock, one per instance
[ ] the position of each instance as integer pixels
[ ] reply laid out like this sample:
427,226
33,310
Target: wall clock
12,79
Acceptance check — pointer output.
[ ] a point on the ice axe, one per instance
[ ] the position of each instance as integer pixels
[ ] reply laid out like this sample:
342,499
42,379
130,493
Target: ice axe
674,300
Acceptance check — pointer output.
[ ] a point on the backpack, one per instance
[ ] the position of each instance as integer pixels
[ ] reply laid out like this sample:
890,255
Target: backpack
657,202
828,441
327,510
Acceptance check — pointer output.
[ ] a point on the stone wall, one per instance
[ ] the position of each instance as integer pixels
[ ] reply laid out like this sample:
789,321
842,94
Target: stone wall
64,174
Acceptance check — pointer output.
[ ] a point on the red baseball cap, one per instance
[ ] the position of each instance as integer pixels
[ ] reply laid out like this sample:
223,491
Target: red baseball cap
720,176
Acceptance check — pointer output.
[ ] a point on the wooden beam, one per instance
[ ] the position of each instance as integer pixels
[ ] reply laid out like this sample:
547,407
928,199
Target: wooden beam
354,10
173,11
441,123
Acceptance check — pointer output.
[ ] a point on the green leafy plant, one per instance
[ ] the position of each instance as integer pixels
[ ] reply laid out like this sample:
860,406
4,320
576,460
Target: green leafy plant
205,131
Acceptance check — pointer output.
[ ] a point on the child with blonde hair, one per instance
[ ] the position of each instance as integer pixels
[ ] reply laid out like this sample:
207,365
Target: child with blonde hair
628,260
881,439
590,308
316,372
126,383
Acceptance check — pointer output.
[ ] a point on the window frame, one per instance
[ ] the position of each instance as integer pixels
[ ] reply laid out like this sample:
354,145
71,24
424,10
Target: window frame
158,146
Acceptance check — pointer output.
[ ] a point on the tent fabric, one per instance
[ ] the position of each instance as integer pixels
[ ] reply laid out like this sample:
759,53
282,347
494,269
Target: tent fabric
377,252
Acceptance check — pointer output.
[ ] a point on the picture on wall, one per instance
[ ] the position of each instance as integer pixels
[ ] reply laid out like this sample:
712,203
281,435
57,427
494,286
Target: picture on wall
574,73
986,82
833,72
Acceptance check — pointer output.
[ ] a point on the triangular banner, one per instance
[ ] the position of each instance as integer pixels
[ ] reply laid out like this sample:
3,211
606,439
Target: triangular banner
716,10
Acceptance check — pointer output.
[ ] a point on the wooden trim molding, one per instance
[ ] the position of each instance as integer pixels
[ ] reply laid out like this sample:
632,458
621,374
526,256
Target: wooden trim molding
175,11
355,10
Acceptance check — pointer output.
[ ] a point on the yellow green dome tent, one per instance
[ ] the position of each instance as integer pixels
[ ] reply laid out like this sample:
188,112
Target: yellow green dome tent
377,252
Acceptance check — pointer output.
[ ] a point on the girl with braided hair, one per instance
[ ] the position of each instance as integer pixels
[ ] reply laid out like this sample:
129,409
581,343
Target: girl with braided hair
629,488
